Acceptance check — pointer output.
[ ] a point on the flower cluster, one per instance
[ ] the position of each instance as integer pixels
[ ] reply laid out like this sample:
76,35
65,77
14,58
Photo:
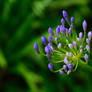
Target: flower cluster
65,48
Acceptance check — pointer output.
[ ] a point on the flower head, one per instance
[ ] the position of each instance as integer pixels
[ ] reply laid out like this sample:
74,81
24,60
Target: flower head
65,48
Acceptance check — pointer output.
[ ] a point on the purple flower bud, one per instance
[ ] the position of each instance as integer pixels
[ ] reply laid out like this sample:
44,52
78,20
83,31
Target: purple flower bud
59,45
50,66
87,48
59,36
84,25
67,53
68,73
70,45
78,39
81,35
44,41
81,50
65,15
70,54
70,66
50,31
66,30
86,57
89,35
74,44
36,47
81,47
65,67
70,31
62,29
50,39
62,21
72,20
58,30
50,47
61,72
47,50
87,41
56,39
65,60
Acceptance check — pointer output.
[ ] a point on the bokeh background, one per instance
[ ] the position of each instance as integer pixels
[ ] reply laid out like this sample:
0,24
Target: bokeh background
22,22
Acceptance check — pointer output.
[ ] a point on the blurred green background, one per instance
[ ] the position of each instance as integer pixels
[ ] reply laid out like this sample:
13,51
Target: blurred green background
22,22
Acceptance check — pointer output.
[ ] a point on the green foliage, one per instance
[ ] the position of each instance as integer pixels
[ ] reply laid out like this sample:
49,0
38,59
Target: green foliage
22,22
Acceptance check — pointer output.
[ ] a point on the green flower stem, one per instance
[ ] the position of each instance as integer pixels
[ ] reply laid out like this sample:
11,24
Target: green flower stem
59,61
85,66
76,66
58,52
43,54
84,37
58,70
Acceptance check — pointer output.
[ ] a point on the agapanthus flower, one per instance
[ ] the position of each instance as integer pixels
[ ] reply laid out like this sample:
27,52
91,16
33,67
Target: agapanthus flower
56,39
68,72
86,57
50,39
81,35
61,72
65,15
36,47
81,50
62,21
87,41
50,66
65,67
90,35
74,43
59,45
64,47
72,20
70,31
84,25
44,41
51,31
70,66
